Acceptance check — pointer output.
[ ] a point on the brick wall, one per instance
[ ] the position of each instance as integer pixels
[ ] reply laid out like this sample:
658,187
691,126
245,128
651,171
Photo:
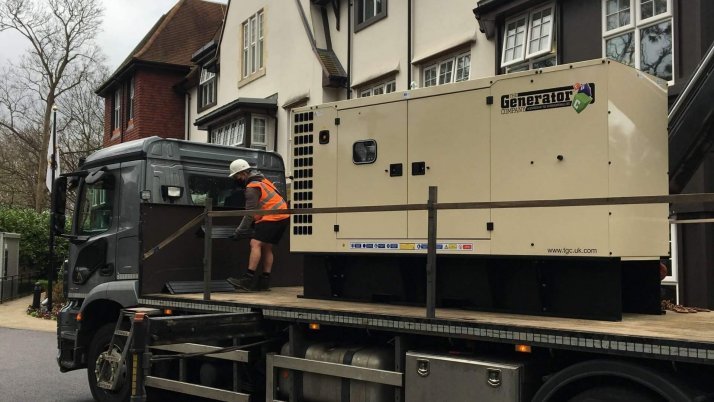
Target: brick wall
158,108
108,121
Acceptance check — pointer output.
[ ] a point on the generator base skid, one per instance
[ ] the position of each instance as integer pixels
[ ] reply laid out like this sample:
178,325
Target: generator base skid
595,288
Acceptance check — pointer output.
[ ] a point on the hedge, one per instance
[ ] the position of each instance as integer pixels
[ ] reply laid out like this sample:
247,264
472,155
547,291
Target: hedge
33,228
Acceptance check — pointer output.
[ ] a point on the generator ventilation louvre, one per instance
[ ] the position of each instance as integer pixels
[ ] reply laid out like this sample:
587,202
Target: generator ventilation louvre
303,140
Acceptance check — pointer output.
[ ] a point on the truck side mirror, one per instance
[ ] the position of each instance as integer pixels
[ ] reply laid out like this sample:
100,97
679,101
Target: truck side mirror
59,204
94,176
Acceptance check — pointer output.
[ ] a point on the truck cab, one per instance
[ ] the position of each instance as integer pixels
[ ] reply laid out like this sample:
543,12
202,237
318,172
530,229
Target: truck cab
101,274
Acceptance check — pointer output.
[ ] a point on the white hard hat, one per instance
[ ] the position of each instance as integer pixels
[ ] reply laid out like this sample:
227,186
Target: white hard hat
238,166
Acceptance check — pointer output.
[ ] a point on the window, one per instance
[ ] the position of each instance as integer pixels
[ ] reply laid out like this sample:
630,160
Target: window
253,44
116,116
96,208
206,89
528,40
230,134
224,191
364,152
258,135
639,33
251,131
368,12
130,103
444,71
379,89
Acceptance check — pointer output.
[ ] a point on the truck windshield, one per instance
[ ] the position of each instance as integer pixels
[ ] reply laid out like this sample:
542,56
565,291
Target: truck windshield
224,191
95,209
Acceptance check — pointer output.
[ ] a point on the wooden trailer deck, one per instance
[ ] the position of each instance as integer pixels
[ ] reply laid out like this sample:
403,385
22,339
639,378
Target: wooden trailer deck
672,336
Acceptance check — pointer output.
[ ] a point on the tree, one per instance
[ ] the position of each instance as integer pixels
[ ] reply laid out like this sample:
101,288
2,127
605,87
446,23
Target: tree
62,55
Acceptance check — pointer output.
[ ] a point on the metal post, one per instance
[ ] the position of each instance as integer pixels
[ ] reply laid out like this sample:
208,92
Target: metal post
53,162
208,250
431,255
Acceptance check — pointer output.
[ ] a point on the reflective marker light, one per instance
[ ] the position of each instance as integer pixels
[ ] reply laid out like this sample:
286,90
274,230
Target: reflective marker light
314,326
523,348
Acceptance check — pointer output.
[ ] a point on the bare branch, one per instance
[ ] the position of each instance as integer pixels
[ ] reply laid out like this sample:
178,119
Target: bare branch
62,65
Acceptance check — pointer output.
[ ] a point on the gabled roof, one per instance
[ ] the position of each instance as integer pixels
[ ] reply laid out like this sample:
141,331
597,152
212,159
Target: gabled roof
172,41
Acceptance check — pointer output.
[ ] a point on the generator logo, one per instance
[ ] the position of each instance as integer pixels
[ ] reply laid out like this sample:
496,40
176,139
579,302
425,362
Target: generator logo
578,96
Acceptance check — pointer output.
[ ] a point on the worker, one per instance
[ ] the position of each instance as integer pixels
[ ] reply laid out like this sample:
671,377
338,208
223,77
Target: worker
264,231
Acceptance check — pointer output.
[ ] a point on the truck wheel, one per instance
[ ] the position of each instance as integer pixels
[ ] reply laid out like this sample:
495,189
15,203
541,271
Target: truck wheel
98,367
615,393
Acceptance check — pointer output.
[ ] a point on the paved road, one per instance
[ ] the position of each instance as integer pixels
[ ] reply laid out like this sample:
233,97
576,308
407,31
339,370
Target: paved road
29,372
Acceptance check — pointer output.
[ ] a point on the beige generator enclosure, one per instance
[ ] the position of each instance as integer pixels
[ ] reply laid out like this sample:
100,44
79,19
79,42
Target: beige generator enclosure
584,130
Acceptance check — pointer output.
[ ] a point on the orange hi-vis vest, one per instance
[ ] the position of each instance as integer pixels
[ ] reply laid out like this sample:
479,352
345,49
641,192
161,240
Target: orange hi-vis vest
269,200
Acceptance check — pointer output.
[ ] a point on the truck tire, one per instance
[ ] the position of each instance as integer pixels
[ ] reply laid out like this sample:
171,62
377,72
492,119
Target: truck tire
615,393
99,344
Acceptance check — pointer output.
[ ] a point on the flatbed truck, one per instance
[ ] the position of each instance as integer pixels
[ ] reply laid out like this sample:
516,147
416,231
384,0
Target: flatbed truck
549,331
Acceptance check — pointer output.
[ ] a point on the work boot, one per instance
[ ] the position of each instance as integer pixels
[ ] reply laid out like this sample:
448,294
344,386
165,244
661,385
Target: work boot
249,281
263,283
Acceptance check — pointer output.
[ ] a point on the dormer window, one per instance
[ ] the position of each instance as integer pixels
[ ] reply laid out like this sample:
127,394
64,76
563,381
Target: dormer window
528,40
206,90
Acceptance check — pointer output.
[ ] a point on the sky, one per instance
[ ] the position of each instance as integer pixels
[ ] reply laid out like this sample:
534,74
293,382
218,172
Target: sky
125,24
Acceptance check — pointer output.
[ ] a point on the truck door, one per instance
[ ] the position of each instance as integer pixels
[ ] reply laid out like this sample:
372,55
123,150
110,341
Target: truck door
449,147
127,251
372,153
92,255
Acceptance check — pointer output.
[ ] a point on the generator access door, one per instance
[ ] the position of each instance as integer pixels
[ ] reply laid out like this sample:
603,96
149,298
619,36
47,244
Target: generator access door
371,165
549,141
449,147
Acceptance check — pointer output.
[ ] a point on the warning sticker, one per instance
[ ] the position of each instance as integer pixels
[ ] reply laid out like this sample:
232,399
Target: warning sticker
410,246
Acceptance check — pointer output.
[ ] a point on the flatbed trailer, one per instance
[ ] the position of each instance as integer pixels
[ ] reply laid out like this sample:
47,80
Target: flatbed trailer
405,356
671,336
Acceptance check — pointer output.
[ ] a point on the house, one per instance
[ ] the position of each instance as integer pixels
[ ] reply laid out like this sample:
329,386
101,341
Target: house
143,97
274,56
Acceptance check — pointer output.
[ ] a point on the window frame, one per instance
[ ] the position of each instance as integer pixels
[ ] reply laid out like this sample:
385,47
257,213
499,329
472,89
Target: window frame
207,83
230,134
253,143
116,112
437,64
360,22
87,204
635,27
520,58
130,100
253,45
528,64
525,55
384,86
549,49
367,161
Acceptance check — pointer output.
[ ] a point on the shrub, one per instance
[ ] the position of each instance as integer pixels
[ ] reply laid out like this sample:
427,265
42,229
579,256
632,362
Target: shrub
34,230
